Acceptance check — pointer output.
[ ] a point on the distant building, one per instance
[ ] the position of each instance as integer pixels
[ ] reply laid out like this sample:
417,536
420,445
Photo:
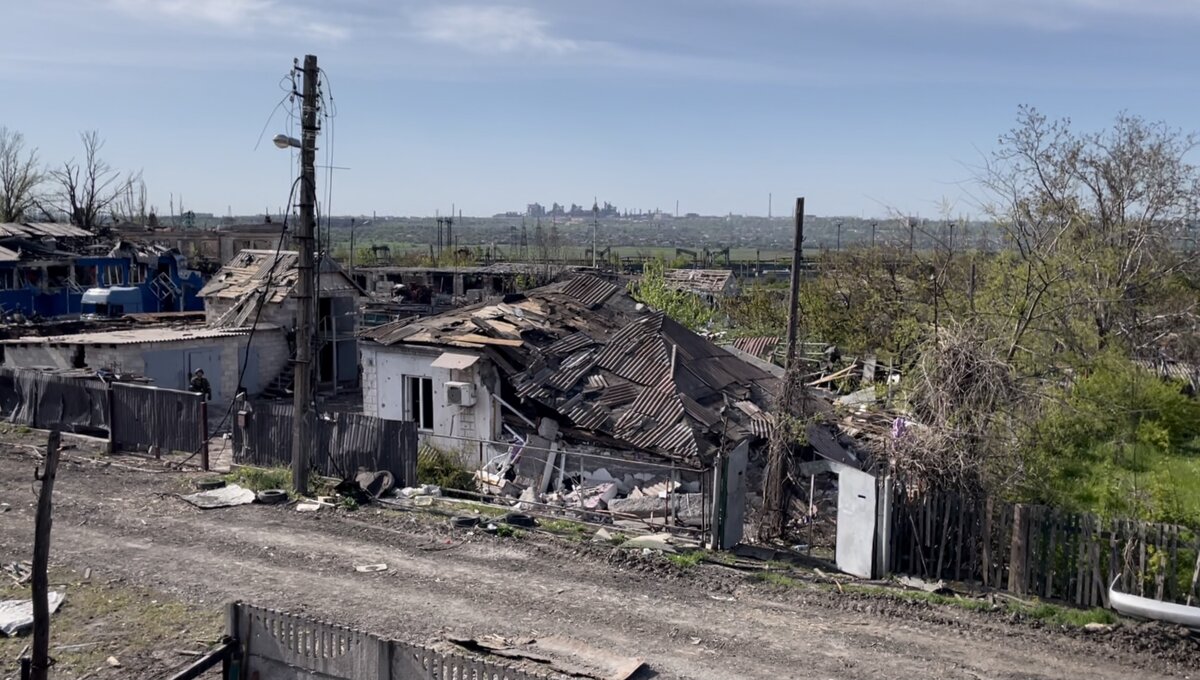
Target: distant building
535,210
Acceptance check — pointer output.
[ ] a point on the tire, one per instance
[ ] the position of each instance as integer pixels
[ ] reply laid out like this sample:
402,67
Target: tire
518,519
210,483
272,496
464,522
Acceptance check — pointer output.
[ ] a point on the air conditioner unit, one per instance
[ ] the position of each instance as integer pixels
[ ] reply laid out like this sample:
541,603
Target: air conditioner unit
460,394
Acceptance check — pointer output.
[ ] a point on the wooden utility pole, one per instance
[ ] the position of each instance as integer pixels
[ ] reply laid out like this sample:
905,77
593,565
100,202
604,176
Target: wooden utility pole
39,665
775,496
302,406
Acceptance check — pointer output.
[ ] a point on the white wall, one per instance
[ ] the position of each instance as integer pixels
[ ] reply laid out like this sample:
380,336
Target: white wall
384,369
270,346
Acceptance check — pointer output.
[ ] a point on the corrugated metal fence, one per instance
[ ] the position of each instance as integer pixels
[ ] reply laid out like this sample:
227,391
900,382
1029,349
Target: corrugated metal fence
45,401
277,645
132,417
169,420
342,442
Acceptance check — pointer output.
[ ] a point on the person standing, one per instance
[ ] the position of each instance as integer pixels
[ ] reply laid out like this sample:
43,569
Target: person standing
200,384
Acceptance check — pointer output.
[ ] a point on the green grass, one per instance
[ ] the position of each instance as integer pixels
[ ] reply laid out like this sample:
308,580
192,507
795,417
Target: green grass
260,479
722,557
687,560
568,528
509,531
443,469
1051,614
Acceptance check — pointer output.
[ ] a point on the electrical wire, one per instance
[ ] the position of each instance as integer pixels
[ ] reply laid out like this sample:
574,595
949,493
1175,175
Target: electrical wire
262,300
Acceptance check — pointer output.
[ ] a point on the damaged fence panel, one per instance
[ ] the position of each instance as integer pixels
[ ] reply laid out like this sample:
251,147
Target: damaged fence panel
342,442
149,417
44,401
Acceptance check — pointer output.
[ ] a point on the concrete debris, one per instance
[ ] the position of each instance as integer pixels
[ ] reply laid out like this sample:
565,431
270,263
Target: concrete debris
602,536
375,483
308,507
1097,627
17,615
682,506
224,497
663,542
113,662
862,397
370,568
424,490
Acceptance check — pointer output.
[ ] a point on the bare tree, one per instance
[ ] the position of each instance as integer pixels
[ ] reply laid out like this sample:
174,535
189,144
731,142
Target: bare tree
86,190
20,176
131,204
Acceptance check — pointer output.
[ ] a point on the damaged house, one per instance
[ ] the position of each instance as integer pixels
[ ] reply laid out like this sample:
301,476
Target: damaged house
606,373
257,287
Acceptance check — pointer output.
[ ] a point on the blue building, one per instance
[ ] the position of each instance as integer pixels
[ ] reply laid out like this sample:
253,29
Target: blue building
45,270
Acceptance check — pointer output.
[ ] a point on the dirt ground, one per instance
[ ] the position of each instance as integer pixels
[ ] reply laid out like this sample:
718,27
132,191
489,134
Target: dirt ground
704,622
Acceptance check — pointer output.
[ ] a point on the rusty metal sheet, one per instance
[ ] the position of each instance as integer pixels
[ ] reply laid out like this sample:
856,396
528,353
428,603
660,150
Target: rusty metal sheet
589,290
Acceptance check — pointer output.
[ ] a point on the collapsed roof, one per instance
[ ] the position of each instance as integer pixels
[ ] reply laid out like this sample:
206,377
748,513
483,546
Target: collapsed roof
255,277
701,281
613,370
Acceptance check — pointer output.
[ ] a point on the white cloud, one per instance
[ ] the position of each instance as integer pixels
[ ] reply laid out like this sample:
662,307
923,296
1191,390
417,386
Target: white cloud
248,16
492,29
1040,14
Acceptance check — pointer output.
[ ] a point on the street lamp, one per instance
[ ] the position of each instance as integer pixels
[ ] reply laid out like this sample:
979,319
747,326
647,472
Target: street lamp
285,142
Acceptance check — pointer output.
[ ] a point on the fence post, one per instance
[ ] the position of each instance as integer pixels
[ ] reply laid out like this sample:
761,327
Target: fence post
112,420
1018,560
883,528
203,434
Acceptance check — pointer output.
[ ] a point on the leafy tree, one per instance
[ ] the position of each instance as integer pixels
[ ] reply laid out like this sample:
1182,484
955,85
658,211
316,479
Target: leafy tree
684,307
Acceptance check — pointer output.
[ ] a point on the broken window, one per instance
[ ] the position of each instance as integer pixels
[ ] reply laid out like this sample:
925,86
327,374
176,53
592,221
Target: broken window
7,279
59,276
112,275
85,276
137,273
419,401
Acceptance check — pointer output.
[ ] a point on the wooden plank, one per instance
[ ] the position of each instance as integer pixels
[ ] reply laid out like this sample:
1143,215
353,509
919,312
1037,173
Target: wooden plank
986,545
960,516
1141,569
1080,562
1052,546
1160,578
476,339
1017,563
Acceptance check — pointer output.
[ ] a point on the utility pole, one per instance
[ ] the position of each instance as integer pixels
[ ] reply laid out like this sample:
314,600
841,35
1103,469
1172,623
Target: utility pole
302,406
775,496
595,228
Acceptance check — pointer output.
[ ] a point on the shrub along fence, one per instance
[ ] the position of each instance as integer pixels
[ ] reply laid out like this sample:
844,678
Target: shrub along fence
1040,551
132,417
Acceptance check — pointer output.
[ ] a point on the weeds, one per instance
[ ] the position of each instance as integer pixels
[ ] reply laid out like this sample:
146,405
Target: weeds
260,479
1039,611
440,468
687,560
568,528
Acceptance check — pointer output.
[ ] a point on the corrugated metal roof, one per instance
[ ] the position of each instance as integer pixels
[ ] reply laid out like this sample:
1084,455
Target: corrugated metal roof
761,347
7,255
589,290
707,281
135,336
38,229
605,366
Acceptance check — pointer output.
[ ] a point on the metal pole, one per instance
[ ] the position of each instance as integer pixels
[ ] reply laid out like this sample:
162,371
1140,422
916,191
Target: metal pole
794,294
302,405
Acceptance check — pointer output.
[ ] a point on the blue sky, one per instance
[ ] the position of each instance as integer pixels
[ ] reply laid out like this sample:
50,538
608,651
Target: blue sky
864,106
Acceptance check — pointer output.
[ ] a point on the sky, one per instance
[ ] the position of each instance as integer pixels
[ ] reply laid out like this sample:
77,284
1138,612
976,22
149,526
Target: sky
865,107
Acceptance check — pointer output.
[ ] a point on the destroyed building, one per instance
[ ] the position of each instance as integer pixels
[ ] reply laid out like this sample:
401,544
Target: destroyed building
711,285
52,270
258,287
611,373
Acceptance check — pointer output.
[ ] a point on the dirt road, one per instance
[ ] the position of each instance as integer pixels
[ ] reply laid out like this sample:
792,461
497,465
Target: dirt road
703,623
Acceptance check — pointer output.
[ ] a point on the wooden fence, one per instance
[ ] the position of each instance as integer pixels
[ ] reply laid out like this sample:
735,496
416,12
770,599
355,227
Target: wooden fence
1040,551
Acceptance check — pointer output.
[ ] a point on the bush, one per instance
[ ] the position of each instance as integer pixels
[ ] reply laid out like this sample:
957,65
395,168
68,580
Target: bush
438,467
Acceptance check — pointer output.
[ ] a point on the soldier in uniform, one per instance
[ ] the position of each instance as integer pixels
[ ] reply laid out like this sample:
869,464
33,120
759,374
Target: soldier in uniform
200,384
